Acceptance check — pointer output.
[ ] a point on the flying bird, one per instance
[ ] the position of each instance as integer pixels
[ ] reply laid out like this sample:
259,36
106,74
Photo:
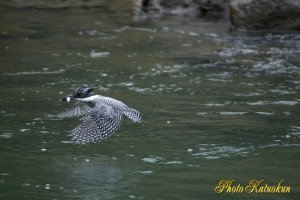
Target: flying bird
100,116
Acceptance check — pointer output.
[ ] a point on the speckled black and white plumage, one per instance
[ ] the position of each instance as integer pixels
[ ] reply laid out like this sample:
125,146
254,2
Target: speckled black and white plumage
100,117
78,109
97,125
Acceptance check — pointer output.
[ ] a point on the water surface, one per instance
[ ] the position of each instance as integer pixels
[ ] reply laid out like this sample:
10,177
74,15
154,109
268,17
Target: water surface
216,105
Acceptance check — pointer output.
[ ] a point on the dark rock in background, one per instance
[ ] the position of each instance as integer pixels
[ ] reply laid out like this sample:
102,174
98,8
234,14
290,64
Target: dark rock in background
139,9
244,14
53,4
208,9
265,14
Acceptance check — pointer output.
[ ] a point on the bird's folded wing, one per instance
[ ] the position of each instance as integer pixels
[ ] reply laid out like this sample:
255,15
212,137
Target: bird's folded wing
97,125
78,109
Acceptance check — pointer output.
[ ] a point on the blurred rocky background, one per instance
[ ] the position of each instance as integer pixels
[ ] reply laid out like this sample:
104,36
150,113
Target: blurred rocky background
265,14
243,14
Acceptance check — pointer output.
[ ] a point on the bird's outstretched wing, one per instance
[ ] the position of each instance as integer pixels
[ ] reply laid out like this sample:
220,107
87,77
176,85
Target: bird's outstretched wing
78,109
100,123
133,114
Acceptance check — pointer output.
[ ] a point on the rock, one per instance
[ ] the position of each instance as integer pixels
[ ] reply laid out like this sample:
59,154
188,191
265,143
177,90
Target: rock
265,14
160,8
124,7
53,4
140,9
211,9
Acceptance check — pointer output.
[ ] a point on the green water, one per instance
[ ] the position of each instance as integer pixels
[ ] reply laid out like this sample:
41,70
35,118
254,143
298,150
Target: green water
215,105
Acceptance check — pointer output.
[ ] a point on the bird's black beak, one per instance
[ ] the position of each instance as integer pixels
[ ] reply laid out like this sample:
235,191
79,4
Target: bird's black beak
68,98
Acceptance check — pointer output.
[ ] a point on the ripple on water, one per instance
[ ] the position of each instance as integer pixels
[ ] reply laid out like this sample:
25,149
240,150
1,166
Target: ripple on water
294,133
202,113
232,113
248,94
283,92
173,71
229,52
9,115
152,159
139,90
45,71
24,130
288,103
6,135
94,54
260,103
160,160
47,186
145,172
213,151
275,66
214,104
175,162
127,28
265,113
277,145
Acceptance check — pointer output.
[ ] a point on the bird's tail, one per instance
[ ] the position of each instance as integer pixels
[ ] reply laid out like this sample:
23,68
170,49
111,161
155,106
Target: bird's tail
133,114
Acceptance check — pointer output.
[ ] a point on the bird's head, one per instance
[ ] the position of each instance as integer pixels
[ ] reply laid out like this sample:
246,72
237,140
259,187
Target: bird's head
79,93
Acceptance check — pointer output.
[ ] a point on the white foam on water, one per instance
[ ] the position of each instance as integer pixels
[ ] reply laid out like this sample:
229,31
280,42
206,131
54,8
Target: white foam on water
283,92
291,145
193,34
219,80
248,94
139,90
175,162
267,146
283,102
127,84
36,72
201,113
288,103
214,104
146,172
190,150
213,151
233,113
264,113
152,159
6,135
257,103
295,132
174,71
126,28
94,54
24,129
229,52
44,131
47,186
66,142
